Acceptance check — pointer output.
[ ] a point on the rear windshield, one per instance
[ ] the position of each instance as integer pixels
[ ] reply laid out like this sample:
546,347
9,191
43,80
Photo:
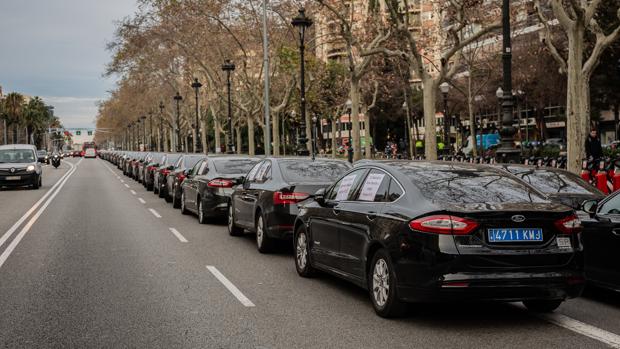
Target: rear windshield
317,171
553,182
453,183
16,156
172,158
192,160
234,166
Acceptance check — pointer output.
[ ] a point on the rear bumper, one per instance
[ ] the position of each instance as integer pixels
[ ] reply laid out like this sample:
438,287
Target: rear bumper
216,203
280,222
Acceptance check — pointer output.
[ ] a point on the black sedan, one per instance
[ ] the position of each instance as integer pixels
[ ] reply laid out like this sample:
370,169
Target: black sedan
162,171
430,231
171,189
266,201
207,189
154,161
601,241
559,185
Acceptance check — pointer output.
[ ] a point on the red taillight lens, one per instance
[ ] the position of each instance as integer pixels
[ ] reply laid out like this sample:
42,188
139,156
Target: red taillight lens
181,178
444,224
165,172
220,183
569,225
283,198
150,168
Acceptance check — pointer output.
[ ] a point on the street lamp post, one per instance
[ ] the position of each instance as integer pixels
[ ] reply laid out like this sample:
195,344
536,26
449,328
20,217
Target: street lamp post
350,146
506,152
161,130
314,135
301,22
178,99
229,67
196,85
445,88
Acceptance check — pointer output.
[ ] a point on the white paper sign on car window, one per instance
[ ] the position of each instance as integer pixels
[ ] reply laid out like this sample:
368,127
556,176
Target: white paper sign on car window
345,187
371,185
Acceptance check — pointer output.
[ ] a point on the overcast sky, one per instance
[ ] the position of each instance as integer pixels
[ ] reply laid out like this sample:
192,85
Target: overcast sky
55,49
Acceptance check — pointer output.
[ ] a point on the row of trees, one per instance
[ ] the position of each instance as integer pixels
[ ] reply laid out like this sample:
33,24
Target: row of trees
26,121
167,44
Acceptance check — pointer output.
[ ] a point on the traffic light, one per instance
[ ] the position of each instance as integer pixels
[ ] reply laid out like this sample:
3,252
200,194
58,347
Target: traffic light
78,133
90,133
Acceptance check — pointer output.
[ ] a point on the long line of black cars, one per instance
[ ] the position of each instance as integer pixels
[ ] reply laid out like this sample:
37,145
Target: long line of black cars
407,231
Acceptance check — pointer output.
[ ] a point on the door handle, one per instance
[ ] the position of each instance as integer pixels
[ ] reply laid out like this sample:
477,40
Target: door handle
616,232
371,216
336,211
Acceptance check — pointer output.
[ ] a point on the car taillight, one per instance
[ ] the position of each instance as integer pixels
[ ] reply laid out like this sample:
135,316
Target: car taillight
165,172
181,177
150,168
569,225
283,198
444,224
220,183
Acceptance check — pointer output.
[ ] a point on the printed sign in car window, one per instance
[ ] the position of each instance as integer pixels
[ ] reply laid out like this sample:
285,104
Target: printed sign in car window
370,187
345,187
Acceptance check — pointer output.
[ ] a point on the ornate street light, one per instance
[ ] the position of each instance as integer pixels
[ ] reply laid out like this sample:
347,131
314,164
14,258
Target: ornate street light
350,147
314,136
161,130
445,88
196,85
229,67
301,22
507,152
178,99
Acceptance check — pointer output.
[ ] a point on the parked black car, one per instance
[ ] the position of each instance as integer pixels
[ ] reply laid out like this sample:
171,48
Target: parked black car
430,231
207,189
161,172
559,185
266,201
154,161
601,240
171,188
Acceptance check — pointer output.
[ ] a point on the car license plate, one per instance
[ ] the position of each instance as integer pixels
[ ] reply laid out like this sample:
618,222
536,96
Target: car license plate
13,178
515,235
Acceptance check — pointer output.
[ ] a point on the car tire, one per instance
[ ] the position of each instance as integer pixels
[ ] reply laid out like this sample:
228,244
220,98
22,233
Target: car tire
155,188
37,183
543,305
302,253
382,286
264,243
161,193
173,198
183,208
202,218
233,230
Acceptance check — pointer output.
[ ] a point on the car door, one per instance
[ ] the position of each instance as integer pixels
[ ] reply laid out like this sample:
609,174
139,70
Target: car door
241,203
190,185
601,238
257,190
324,227
359,221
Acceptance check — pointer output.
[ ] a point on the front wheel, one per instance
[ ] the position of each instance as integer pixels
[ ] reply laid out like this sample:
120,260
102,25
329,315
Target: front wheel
233,230
302,254
543,306
264,243
382,286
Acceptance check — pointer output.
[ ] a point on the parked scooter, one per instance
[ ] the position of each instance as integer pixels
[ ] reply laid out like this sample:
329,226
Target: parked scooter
55,160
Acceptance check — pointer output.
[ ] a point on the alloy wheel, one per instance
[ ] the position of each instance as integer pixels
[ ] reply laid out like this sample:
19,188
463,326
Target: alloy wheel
301,251
259,232
380,282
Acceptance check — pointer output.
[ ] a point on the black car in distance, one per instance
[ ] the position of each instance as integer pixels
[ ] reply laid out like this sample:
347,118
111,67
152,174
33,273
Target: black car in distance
207,189
171,188
431,231
601,241
266,202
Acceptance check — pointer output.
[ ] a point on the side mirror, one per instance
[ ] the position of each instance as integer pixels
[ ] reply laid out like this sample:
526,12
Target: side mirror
589,207
239,180
171,168
319,196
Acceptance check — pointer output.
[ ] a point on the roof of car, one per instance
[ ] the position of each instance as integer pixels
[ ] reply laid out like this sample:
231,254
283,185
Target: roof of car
18,146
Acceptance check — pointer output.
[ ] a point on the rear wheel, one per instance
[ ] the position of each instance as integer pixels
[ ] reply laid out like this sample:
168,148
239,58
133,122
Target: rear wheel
543,306
302,254
382,286
183,208
264,243
155,188
174,199
202,218
233,230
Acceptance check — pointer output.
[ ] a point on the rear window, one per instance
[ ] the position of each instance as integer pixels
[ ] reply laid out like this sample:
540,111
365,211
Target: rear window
192,160
307,171
172,158
234,166
552,182
467,185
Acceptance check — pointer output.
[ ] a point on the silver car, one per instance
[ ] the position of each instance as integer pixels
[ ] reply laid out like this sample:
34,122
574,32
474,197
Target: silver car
19,166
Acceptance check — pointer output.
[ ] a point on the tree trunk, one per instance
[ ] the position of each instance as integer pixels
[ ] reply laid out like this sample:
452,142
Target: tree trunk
203,136
238,139
367,147
251,145
216,134
577,101
430,119
334,139
355,119
275,133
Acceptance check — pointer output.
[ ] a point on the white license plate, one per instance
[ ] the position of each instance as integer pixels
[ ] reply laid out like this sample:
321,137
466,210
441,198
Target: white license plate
13,178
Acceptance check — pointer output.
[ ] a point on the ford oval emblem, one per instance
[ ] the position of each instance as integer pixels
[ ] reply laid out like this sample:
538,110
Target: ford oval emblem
12,170
518,218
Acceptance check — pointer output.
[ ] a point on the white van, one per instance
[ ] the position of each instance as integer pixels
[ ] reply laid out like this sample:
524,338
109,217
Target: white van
90,153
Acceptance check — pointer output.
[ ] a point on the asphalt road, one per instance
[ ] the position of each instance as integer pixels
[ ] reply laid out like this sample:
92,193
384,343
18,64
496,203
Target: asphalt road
95,265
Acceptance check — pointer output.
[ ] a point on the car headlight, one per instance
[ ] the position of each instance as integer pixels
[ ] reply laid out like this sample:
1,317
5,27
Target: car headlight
30,168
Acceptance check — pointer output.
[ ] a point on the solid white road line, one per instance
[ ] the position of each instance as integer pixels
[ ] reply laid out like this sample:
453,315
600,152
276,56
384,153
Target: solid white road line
122,181
178,235
155,213
133,192
127,185
229,285
10,232
142,201
7,252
